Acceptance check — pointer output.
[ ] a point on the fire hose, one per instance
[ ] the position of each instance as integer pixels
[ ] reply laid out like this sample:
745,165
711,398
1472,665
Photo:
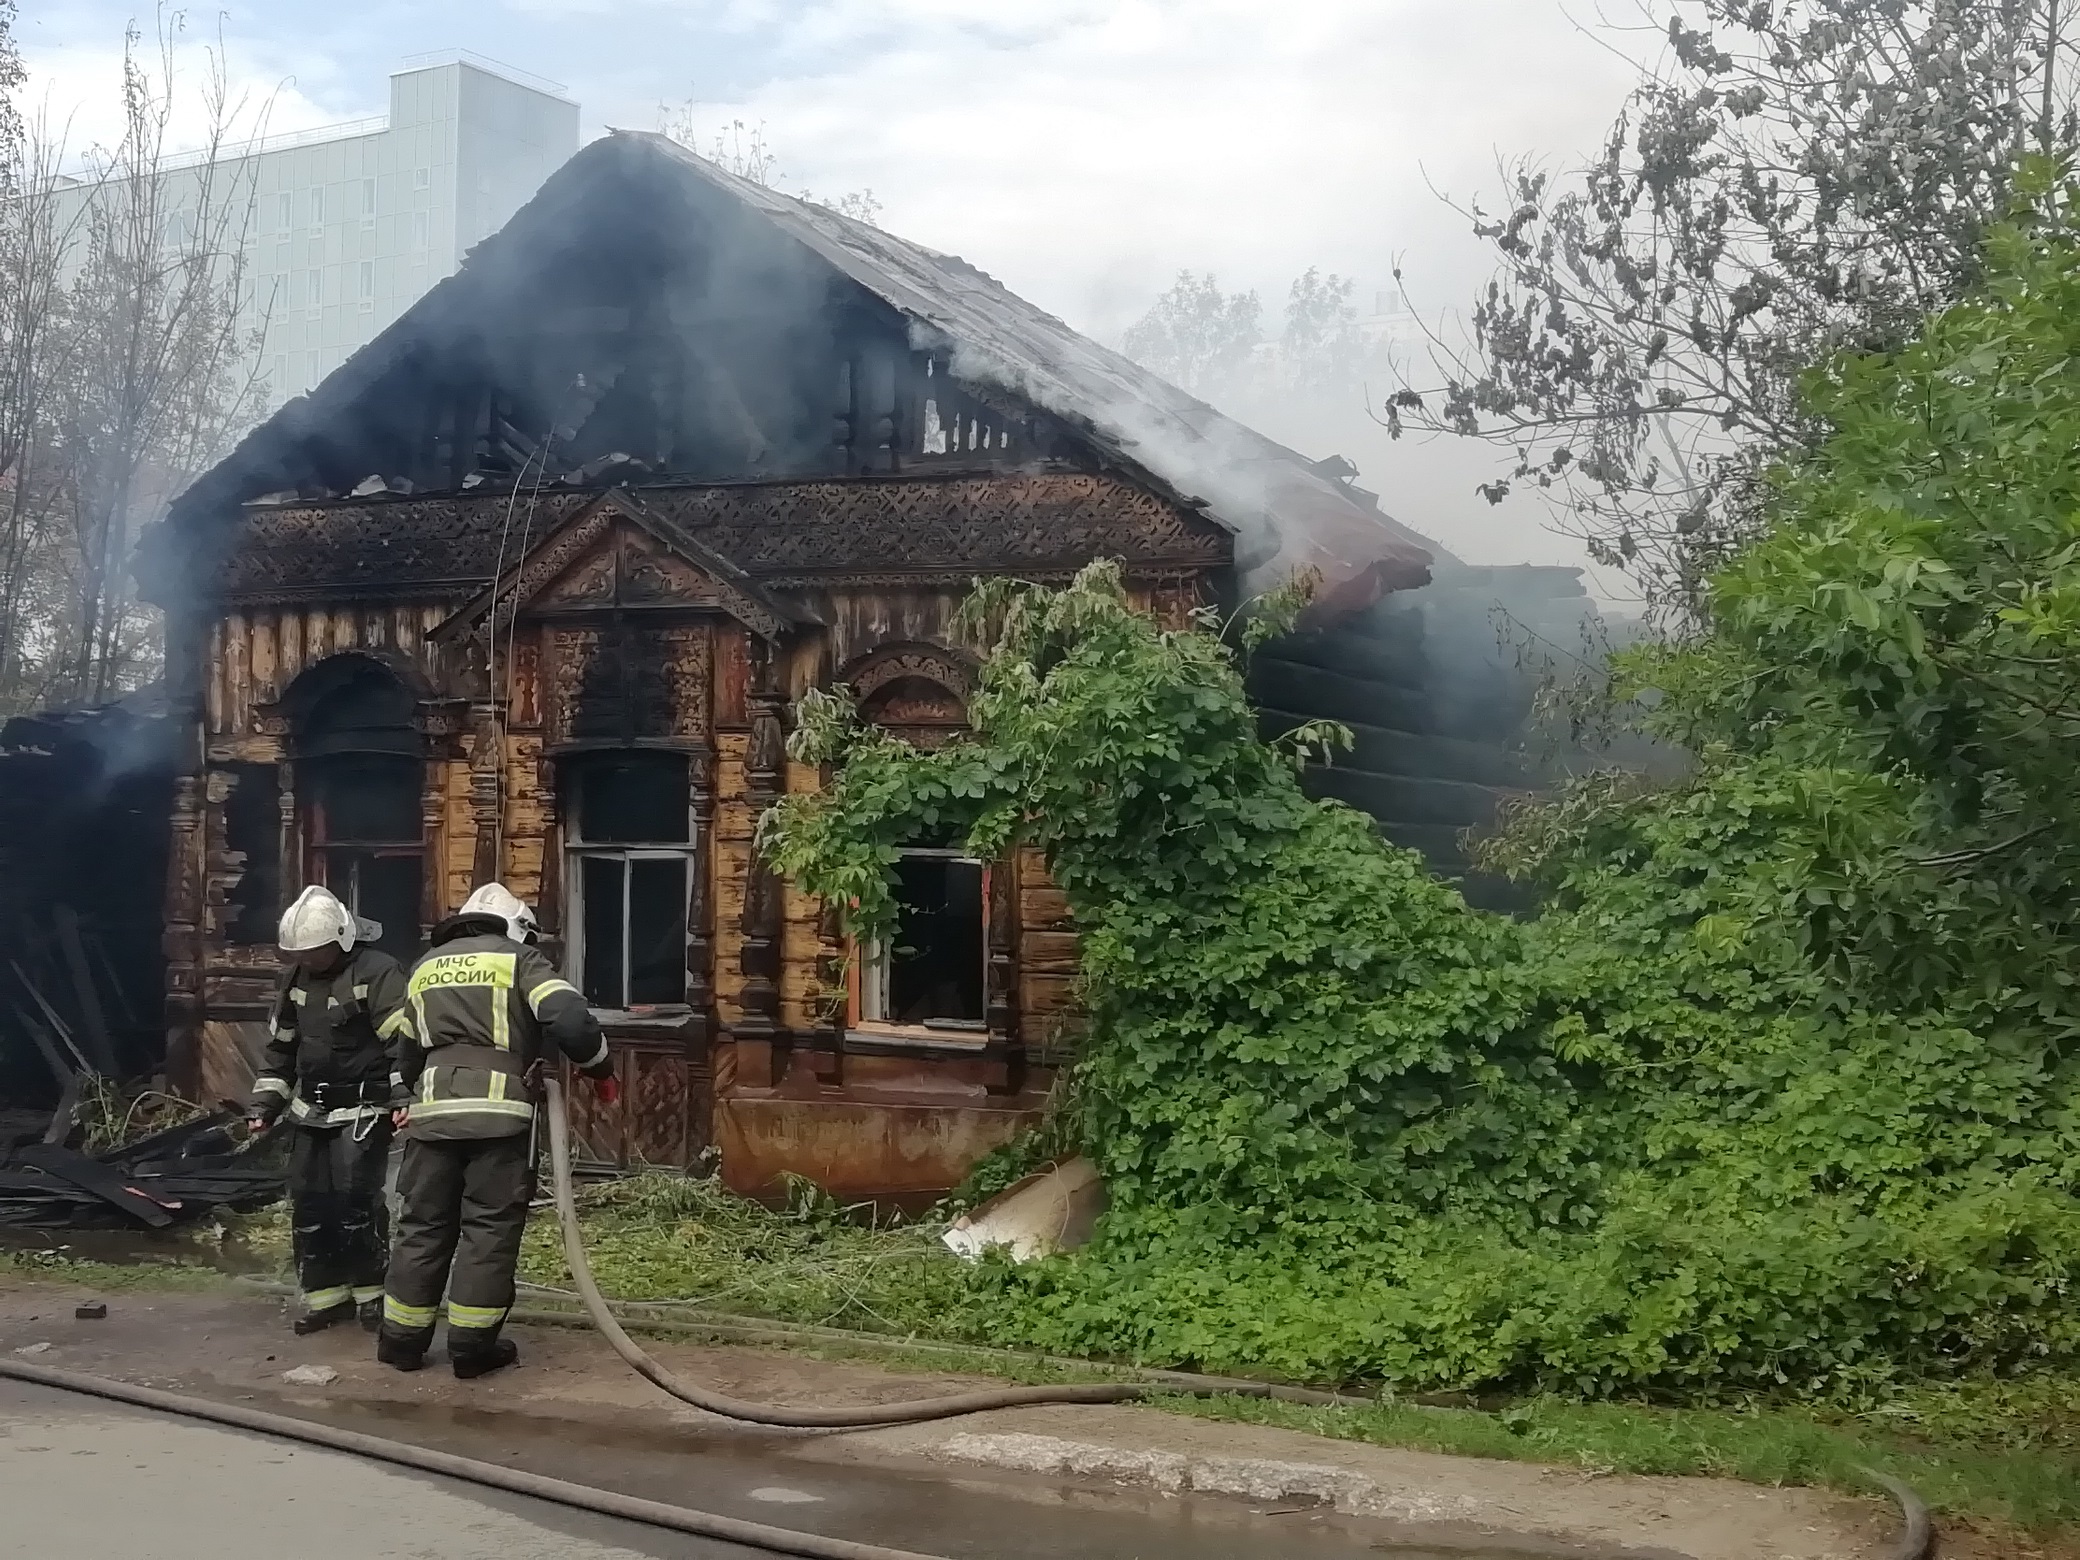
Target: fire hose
1913,1544
789,1417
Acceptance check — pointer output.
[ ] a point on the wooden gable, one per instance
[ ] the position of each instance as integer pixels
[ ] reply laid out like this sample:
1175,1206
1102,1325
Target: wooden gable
616,556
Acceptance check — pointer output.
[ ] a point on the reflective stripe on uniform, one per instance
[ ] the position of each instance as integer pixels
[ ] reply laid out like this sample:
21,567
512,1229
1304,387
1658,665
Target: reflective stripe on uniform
266,1083
296,995
597,1057
346,1116
398,1314
361,991
547,989
372,1292
460,1315
326,1299
397,1023
427,1110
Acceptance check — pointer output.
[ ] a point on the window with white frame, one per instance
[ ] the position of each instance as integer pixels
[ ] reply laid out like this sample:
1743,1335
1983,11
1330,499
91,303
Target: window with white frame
285,212
419,230
317,208
368,284
929,974
628,846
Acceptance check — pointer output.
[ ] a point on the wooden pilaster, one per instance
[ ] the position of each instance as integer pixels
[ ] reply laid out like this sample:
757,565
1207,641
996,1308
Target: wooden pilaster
764,905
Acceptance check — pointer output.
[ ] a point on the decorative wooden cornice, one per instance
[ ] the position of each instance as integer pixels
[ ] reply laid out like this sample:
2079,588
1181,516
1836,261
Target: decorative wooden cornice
864,532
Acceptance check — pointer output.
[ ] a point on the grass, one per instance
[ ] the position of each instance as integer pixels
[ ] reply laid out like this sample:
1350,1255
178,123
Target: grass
665,1237
2000,1452
57,1265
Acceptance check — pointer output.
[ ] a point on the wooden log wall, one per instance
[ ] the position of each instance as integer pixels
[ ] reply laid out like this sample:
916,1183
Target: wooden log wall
1435,701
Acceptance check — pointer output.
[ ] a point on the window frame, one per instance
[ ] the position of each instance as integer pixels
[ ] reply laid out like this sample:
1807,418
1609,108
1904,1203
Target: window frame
574,858
867,975
577,850
336,863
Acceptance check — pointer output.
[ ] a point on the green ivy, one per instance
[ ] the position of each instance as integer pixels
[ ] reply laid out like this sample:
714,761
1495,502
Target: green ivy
1779,1090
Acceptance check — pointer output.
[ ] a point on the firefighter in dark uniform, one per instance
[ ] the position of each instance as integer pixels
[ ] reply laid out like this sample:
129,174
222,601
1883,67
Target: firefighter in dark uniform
489,1012
331,1064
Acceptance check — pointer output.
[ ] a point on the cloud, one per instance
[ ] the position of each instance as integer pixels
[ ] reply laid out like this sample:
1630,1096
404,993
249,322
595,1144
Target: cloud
76,89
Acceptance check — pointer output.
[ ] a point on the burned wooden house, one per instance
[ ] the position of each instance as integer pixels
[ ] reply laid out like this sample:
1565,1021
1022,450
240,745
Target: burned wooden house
525,589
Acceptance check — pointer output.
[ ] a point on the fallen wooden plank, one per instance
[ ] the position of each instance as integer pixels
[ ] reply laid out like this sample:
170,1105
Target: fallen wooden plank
106,1182
51,1014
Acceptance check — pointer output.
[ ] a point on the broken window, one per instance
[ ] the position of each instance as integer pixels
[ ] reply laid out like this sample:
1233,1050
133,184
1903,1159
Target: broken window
253,828
359,776
628,848
366,840
930,973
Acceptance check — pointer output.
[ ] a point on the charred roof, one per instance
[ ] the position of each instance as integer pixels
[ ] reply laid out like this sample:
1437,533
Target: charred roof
649,315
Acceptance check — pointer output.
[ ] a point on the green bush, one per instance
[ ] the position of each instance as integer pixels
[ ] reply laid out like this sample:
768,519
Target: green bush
1780,1088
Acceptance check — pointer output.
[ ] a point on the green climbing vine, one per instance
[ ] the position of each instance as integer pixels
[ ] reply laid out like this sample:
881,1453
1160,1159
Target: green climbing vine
1780,1088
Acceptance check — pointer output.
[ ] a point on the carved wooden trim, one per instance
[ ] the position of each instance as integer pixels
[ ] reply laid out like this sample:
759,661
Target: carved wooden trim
182,939
865,531
433,833
549,909
700,898
291,838
828,1037
674,572
486,793
764,905
867,675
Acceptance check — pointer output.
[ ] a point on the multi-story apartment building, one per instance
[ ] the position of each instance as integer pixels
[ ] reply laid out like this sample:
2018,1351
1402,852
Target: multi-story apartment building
345,226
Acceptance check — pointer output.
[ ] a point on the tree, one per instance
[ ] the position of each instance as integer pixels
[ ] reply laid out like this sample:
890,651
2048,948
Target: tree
1788,180
1198,337
131,369
1321,351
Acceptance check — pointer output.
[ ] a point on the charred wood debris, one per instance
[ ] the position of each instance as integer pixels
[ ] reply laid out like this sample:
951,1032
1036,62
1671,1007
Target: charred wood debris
83,837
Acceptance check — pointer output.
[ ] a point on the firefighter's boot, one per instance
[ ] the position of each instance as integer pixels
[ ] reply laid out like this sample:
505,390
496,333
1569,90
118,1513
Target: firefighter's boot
477,1356
328,1316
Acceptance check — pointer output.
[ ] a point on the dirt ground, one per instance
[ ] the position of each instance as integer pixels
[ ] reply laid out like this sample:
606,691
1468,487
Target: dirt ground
571,1389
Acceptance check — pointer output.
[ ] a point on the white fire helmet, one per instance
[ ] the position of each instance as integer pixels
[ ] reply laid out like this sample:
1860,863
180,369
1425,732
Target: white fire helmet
497,900
317,918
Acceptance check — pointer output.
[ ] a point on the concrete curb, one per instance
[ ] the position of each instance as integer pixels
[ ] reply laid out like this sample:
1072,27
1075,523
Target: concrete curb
1251,1478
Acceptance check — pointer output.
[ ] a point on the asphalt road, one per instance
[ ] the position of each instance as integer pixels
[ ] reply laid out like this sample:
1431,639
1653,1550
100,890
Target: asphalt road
82,1479
90,1481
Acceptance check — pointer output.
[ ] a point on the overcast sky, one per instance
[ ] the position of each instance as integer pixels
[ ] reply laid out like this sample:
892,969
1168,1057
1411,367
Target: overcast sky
1082,151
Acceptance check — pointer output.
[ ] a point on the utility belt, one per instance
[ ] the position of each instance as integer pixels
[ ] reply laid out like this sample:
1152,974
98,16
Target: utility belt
344,1096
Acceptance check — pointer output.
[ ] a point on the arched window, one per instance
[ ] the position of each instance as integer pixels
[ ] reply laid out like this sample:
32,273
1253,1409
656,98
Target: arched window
360,770
930,974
